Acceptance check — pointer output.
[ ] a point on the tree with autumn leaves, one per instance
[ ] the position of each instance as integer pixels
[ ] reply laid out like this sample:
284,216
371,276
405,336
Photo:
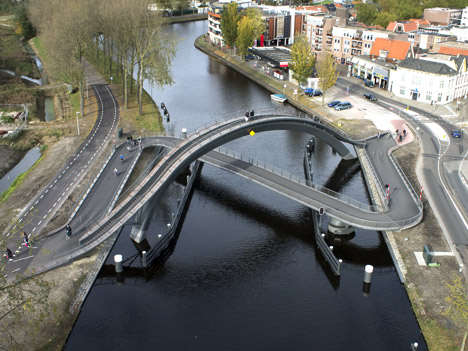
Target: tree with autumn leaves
302,59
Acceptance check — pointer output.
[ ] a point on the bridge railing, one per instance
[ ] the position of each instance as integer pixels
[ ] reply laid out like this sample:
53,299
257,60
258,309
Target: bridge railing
266,114
292,177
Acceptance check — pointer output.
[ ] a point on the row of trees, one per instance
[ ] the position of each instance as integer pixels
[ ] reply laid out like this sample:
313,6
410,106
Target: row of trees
241,28
126,32
382,12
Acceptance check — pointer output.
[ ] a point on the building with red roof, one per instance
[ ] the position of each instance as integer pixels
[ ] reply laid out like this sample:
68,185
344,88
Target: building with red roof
391,49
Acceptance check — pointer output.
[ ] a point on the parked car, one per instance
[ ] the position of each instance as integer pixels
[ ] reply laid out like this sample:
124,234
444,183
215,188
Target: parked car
312,92
456,133
369,83
249,57
343,106
333,103
370,96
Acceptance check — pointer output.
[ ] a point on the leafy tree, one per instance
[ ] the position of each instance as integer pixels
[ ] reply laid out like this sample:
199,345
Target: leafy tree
246,35
258,23
229,18
25,26
326,71
302,59
366,13
458,302
384,18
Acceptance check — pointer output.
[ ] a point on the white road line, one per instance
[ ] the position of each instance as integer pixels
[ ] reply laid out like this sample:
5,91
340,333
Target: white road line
55,204
63,194
24,258
17,269
55,181
20,220
39,223
59,198
45,192
36,202
50,210
44,217
34,229
42,196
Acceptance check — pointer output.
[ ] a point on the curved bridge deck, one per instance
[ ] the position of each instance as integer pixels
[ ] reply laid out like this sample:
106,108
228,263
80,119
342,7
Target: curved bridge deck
203,141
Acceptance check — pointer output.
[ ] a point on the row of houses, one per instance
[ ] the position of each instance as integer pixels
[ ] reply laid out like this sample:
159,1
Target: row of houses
420,59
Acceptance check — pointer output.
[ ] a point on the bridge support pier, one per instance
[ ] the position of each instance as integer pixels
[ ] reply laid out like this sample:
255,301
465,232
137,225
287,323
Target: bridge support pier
338,227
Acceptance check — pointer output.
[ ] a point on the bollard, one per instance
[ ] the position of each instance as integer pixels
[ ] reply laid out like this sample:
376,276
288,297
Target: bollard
184,133
368,273
143,258
118,263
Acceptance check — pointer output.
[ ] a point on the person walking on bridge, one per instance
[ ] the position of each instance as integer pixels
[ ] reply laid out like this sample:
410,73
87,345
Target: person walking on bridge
68,231
121,158
115,172
25,239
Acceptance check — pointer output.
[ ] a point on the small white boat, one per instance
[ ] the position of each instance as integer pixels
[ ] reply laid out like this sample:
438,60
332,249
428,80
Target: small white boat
278,97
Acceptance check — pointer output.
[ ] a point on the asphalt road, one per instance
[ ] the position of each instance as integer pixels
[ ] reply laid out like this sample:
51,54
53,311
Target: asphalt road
47,202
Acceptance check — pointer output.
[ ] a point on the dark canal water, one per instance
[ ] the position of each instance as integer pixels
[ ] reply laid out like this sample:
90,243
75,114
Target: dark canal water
245,274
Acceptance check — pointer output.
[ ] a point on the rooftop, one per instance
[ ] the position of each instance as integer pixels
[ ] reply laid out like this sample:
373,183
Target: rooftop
397,49
426,66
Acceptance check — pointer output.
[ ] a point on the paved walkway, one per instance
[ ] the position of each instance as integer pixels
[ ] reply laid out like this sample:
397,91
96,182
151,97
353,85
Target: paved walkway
46,203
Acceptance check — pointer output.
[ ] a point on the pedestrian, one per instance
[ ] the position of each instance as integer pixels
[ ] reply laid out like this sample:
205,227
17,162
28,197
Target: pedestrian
378,136
68,231
25,239
247,114
252,113
396,131
115,172
8,254
404,132
400,138
121,158
129,148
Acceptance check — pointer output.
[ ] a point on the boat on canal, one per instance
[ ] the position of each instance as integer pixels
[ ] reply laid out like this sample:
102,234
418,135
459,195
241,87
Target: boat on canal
278,97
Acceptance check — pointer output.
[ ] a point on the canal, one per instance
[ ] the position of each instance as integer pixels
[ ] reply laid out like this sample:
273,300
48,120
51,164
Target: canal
246,274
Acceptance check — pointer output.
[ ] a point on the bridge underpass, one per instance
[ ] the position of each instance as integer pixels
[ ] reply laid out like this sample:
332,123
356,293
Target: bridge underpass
199,143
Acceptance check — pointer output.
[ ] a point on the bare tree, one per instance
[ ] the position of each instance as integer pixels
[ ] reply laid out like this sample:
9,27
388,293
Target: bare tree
68,38
154,48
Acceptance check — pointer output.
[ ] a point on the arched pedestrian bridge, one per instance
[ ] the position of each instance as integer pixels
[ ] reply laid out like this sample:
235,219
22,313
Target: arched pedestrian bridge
199,144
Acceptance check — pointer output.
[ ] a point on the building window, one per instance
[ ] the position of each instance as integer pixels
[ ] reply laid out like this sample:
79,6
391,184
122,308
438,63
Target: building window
402,90
417,80
439,97
429,96
441,85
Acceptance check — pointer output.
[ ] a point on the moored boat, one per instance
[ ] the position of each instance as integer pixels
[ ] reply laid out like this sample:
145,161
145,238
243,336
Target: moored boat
278,97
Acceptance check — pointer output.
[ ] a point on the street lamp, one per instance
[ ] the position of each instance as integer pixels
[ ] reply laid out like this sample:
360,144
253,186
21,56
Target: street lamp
87,93
112,78
284,87
78,122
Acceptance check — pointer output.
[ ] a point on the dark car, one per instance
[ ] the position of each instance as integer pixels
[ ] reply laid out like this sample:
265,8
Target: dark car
312,92
371,97
333,103
369,83
455,133
249,57
343,106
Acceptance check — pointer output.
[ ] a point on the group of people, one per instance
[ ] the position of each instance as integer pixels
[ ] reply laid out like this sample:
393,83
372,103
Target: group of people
8,254
401,135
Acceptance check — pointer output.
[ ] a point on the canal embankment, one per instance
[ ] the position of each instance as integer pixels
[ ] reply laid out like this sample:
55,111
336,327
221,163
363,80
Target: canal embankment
426,286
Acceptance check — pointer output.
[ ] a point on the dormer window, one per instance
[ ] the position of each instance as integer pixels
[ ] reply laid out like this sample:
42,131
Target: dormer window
383,53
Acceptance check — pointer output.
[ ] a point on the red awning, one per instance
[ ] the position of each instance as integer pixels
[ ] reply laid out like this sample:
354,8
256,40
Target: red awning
283,64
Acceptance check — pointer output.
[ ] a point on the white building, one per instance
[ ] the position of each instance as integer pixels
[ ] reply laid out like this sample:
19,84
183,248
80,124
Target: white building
464,18
435,78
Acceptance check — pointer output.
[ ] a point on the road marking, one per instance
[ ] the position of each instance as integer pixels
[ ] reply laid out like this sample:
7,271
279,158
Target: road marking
34,229
50,186
67,189
20,220
39,223
50,210
46,191
59,198
42,196
54,205
24,258
68,167
17,269
60,176
44,217
55,181
36,202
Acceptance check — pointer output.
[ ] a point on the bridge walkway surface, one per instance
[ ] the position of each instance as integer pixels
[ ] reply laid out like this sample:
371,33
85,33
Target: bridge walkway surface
361,215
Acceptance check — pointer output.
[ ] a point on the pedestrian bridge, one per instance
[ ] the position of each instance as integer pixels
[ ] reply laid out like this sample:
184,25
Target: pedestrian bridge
200,144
